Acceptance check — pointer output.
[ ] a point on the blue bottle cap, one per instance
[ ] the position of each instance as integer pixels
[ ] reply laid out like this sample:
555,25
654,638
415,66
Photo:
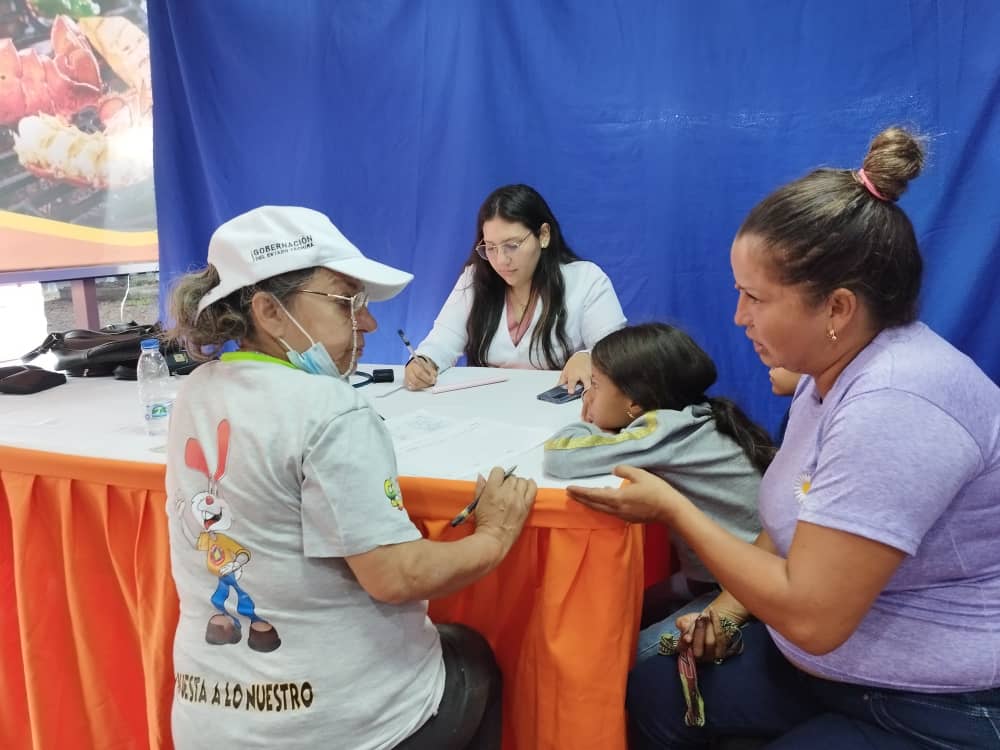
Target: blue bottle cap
150,344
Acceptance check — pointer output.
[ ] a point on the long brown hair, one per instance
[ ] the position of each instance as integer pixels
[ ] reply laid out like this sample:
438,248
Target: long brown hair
520,204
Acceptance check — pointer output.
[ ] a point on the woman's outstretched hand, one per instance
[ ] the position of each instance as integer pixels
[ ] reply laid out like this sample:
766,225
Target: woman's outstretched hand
645,499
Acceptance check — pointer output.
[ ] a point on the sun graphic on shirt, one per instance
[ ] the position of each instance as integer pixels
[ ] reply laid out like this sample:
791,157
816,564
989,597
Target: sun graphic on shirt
803,483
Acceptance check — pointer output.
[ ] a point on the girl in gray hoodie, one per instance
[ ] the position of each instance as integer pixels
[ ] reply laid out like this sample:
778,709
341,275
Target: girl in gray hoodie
647,407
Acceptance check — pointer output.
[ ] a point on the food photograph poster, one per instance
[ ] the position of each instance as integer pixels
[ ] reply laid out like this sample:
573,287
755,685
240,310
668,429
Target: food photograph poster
76,134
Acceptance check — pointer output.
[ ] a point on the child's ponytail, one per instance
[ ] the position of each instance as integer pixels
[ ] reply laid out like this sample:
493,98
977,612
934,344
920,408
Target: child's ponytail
752,438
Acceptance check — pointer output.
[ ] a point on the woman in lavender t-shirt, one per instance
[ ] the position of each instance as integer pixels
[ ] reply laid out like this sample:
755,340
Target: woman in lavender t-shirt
868,610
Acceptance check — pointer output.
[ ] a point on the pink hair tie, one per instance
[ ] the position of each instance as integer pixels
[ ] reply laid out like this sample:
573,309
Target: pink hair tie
869,186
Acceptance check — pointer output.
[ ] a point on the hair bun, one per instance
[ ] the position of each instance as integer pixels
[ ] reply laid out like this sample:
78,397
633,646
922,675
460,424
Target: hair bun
894,157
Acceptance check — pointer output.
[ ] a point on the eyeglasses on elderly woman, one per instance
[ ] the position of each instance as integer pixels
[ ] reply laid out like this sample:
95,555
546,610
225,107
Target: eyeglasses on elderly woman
354,303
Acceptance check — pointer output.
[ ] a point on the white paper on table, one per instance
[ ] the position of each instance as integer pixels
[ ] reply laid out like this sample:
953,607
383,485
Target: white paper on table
429,445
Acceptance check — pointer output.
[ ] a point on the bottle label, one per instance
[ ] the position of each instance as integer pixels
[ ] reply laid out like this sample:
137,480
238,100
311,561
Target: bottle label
157,411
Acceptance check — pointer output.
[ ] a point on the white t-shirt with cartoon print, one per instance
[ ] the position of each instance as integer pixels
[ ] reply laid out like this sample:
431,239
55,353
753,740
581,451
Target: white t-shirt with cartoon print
273,477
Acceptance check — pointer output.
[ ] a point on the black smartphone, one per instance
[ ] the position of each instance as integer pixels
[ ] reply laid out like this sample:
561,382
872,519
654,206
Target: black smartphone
559,394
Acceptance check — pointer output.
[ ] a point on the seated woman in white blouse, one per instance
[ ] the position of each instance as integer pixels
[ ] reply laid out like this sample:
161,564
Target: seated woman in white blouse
525,299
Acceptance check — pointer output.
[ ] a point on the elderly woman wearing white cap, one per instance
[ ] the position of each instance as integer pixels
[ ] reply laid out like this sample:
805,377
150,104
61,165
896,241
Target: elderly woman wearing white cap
302,581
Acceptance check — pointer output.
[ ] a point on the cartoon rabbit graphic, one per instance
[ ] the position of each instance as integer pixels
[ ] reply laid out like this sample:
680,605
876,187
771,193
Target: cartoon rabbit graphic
209,514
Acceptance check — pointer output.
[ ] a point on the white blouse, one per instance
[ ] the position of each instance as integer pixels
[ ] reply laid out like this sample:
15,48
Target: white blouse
592,312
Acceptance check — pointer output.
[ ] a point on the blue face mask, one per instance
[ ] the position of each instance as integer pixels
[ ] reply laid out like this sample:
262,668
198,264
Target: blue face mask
316,359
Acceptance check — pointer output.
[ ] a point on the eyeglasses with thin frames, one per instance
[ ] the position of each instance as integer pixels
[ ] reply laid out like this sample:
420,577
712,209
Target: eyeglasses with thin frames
488,250
354,303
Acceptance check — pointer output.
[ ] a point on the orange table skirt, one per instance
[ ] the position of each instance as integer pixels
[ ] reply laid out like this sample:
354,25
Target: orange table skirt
88,609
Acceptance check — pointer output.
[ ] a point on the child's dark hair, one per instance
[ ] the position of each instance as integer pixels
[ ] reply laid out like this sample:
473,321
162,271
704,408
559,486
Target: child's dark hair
660,367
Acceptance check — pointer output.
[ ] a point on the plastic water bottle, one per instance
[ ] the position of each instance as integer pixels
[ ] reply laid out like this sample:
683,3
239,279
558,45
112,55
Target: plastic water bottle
155,389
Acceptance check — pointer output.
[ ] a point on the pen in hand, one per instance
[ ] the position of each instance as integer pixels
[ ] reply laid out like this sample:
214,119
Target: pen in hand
467,510
406,343
424,372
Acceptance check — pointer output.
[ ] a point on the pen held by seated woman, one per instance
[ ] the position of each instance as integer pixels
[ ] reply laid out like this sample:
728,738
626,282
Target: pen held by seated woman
467,510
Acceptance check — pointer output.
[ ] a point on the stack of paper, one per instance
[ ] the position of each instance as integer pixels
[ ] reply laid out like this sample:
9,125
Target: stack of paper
428,445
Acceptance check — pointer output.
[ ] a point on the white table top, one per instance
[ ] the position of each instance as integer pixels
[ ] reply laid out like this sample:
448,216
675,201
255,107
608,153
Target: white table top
101,417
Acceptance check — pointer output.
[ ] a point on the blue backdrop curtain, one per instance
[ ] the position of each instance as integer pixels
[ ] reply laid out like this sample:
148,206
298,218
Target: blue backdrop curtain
651,127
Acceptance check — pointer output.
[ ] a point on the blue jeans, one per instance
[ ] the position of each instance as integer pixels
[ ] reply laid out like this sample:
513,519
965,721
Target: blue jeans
649,638
244,604
760,694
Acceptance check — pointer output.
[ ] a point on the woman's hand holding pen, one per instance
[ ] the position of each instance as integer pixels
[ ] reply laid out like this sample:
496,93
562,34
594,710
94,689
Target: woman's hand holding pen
420,373
504,505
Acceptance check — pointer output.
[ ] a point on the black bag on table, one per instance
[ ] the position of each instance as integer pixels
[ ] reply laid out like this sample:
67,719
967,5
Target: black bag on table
112,350
27,379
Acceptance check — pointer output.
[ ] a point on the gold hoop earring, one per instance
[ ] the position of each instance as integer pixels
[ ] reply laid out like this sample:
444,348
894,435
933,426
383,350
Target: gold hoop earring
833,335
630,415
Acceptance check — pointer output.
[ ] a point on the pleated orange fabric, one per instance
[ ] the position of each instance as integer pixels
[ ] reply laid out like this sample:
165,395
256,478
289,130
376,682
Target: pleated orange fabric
88,608
88,605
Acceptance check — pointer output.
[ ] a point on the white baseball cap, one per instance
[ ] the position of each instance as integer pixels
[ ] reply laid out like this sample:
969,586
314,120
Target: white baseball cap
271,240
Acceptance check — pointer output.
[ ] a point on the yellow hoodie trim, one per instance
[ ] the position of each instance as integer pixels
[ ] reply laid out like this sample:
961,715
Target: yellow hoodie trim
591,441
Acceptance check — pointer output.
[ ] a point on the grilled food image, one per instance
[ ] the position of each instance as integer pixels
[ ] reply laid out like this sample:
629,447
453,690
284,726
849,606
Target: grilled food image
71,129
62,84
50,148
126,49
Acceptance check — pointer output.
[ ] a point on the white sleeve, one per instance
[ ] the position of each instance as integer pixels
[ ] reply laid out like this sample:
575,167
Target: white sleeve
600,308
446,341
